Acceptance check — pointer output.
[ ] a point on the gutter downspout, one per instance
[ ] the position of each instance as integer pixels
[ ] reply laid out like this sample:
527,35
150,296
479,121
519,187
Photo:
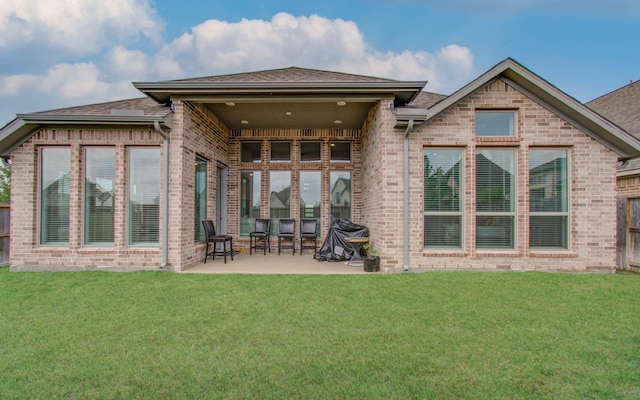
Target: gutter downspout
406,196
165,204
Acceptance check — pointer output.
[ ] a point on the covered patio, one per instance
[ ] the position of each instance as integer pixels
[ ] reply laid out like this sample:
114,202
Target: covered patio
272,263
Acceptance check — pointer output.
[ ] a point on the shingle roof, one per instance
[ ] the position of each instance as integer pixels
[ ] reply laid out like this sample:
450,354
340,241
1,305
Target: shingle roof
622,107
428,99
291,74
144,104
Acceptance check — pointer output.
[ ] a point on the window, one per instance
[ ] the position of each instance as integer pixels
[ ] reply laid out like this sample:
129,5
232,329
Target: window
495,198
548,198
250,152
310,195
99,195
340,151
55,168
310,151
340,186
280,151
279,197
442,198
200,198
144,195
495,123
250,186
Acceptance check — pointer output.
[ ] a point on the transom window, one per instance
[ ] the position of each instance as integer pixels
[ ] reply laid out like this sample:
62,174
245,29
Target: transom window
310,151
442,198
548,199
250,152
280,151
340,151
495,123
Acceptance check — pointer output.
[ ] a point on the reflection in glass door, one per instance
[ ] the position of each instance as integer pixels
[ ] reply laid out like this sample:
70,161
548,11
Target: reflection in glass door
310,198
279,198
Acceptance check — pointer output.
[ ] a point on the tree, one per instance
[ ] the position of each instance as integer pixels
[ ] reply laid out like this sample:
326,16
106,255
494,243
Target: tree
5,181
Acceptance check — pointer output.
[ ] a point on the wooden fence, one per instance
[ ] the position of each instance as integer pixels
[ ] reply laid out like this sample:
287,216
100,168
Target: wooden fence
5,223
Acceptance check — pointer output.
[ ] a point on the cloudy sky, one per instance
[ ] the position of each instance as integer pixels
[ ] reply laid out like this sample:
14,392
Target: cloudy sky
59,53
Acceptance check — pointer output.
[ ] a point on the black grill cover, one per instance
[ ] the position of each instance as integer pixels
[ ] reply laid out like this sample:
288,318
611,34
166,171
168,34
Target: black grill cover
335,248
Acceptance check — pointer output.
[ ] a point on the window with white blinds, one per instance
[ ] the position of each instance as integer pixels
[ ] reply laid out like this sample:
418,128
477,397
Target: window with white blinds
442,198
99,182
55,168
144,195
548,198
495,198
200,198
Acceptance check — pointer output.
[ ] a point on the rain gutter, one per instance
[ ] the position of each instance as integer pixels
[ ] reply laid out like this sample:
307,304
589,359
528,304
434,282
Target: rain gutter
165,204
407,118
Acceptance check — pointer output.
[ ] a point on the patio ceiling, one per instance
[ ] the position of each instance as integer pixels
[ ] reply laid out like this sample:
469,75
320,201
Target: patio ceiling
304,114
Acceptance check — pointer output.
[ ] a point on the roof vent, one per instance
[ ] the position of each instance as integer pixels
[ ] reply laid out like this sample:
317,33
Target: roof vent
125,112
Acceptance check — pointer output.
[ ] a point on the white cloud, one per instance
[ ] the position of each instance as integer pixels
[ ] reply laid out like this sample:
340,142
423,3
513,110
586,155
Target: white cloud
62,86
76,26
215,47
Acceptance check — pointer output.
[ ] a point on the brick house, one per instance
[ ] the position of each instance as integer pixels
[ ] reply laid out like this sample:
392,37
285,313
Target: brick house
506,173
622,107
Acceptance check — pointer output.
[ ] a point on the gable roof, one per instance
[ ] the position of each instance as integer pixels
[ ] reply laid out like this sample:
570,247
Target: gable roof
545,94
622,107
283,82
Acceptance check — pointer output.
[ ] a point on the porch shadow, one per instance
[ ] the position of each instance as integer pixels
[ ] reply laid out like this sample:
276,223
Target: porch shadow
272,263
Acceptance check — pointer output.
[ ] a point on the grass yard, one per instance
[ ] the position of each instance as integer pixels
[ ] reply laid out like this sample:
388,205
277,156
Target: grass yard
157,335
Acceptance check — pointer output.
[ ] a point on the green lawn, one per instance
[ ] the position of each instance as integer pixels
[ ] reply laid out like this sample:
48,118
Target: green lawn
447,335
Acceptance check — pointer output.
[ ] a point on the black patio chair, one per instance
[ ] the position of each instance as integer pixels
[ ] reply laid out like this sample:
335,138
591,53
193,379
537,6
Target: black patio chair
212,237
308,229
259,238
287,229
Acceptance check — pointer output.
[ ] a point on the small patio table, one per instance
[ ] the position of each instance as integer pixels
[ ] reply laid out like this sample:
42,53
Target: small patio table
356,243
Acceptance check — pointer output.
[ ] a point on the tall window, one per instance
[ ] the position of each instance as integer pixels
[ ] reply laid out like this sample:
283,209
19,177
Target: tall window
340,186
548,198
144,195
279,197
200,198
495,198
442,198
495,123
250,186
99,195
55,167
310,195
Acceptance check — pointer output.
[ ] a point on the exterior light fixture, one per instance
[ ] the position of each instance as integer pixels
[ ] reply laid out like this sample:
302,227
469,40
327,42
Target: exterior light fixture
230,103
341,103
244,121
337,121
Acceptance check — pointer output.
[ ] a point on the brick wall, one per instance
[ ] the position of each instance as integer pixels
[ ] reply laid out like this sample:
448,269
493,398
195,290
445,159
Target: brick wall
26,254
592,188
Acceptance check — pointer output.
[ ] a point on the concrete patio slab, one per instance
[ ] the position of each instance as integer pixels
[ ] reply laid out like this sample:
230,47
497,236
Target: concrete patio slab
272,263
